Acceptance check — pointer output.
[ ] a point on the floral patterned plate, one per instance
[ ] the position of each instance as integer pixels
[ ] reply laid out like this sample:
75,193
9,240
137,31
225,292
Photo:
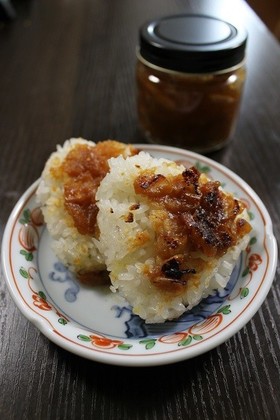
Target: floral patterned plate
99,325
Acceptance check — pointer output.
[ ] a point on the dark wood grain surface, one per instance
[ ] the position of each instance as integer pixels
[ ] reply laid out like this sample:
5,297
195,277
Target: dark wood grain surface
67,69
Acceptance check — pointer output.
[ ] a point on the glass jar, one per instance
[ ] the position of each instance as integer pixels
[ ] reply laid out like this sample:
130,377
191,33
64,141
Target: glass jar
190,76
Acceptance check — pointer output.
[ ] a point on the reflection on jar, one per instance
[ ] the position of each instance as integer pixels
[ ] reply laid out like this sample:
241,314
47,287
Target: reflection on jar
195,111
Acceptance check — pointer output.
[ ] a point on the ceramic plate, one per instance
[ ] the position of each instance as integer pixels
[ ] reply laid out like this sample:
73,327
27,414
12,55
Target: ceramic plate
98,325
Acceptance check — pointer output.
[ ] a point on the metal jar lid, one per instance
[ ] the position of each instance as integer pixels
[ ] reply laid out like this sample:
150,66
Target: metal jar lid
192,43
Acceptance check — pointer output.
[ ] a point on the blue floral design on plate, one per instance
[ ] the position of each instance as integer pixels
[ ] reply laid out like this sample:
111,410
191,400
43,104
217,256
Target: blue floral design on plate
61,274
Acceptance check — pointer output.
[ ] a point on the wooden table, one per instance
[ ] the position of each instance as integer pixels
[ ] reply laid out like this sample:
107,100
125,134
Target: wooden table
67,69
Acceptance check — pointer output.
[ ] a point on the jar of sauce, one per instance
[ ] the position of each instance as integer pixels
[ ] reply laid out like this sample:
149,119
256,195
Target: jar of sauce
190,74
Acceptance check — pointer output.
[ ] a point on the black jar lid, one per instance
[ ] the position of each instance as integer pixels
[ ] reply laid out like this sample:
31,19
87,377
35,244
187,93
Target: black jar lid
192,43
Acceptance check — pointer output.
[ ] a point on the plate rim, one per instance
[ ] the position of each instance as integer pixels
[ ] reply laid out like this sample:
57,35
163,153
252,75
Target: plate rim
149,359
